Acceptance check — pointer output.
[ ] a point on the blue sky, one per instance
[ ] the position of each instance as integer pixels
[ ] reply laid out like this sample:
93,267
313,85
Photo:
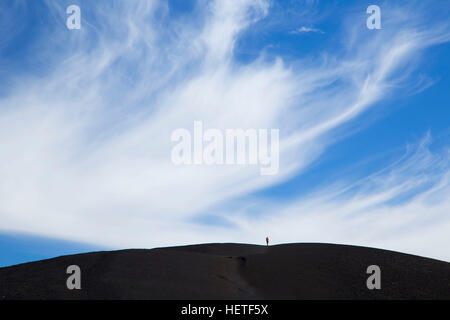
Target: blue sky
86,118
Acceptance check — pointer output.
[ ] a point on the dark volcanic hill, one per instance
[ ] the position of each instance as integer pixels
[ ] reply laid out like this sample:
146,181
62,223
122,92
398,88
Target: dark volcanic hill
231,271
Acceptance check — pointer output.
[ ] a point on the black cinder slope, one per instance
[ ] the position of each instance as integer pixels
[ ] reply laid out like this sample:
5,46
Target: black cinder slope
231,271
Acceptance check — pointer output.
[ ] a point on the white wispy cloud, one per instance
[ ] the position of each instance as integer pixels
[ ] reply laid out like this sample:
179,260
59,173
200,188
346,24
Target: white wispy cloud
304,29
85,152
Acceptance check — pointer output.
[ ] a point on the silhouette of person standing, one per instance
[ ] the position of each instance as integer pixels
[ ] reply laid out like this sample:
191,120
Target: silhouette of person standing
267,241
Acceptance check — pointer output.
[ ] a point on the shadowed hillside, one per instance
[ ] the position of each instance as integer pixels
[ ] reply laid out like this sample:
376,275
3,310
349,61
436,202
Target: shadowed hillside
231,271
